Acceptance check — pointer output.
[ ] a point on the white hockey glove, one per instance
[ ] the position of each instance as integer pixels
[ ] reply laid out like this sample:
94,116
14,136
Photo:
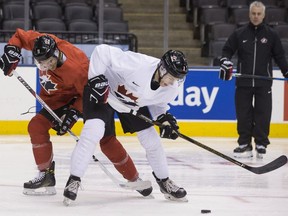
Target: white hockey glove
10,59
226,69
169,128
99,89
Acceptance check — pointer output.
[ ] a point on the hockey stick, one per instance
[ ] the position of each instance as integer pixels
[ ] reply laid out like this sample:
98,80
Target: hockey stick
239,75
275,164
138,185
126,185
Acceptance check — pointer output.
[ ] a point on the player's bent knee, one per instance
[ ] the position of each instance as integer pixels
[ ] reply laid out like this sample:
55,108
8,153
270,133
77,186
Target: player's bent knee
149,138
113,149
38,129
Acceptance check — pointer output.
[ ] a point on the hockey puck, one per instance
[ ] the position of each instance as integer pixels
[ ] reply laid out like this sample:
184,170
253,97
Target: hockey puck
205,211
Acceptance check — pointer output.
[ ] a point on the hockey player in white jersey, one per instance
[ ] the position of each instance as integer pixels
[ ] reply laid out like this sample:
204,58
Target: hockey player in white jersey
141,82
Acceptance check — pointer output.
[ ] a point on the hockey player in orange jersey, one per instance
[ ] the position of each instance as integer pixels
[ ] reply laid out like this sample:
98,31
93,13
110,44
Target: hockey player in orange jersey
63,72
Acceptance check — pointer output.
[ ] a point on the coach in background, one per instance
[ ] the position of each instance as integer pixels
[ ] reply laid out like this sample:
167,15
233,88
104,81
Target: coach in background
256,44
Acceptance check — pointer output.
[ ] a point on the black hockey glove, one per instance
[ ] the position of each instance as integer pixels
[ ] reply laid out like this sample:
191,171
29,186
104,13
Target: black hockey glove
99,89
226,69
10,59
170,128
70,117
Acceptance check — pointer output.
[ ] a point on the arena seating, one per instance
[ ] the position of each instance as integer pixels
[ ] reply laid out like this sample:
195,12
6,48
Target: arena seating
60,15
237,16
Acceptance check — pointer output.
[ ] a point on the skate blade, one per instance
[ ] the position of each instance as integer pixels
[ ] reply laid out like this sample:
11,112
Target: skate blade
137,185
149,197
67,201
43,191
247,154
171,198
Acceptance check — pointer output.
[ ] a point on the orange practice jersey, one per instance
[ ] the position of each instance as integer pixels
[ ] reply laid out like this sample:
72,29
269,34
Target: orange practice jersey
60,86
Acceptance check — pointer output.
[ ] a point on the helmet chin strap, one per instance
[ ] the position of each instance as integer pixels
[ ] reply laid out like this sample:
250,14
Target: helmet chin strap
60,58
159,74
156,79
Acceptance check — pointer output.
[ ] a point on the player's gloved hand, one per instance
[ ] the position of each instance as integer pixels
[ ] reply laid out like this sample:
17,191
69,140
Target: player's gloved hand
226,69
10,59
70,117
99,89
169,128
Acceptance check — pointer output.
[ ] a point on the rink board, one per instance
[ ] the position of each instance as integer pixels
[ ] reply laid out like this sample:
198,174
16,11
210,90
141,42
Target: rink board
203,107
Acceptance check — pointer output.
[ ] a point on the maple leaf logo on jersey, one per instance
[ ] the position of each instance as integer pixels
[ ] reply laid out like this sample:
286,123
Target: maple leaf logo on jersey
127,98
47,84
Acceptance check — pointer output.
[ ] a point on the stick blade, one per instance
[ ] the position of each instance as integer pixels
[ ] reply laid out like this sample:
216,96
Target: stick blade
138,185
273,165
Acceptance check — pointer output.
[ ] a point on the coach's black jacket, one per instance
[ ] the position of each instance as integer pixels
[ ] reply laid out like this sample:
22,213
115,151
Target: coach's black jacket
256,46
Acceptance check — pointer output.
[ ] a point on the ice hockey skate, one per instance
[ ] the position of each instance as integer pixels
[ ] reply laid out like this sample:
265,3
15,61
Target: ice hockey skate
170,190
260,151
43,184
145,192
71,189
243,151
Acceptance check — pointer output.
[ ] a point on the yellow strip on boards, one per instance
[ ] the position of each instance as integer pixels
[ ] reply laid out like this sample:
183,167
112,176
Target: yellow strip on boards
209,129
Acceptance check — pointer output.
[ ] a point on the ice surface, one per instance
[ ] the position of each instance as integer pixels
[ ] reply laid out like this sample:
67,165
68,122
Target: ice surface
211,182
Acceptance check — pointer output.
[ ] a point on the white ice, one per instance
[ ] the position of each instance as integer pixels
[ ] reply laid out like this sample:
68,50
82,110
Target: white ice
212,182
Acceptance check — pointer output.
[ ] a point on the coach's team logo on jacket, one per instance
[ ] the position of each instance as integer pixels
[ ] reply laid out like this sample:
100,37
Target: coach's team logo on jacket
264,40
46,83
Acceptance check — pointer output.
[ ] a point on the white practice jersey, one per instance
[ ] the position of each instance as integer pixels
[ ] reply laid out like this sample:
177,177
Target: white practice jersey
129,75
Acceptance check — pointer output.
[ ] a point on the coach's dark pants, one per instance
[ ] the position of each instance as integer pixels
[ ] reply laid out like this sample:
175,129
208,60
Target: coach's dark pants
253,113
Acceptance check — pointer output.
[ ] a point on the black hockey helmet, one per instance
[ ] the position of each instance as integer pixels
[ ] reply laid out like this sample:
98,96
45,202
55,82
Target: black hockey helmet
44,48
175,63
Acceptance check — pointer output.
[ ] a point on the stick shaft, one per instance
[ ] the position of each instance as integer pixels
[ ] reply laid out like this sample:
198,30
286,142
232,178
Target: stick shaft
39,99
282,160
239,75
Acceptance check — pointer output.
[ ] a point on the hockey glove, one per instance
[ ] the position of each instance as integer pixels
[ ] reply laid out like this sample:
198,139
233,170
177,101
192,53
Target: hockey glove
170,128
10,59
286,74
70,117
226,69
99,89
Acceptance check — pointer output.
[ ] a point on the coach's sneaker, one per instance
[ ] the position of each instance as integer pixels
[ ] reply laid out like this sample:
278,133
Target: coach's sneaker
170,190
260,151
43,184
243,151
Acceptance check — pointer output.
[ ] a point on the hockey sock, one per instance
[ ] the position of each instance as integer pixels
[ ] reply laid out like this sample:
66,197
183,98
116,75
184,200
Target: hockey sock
116,153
